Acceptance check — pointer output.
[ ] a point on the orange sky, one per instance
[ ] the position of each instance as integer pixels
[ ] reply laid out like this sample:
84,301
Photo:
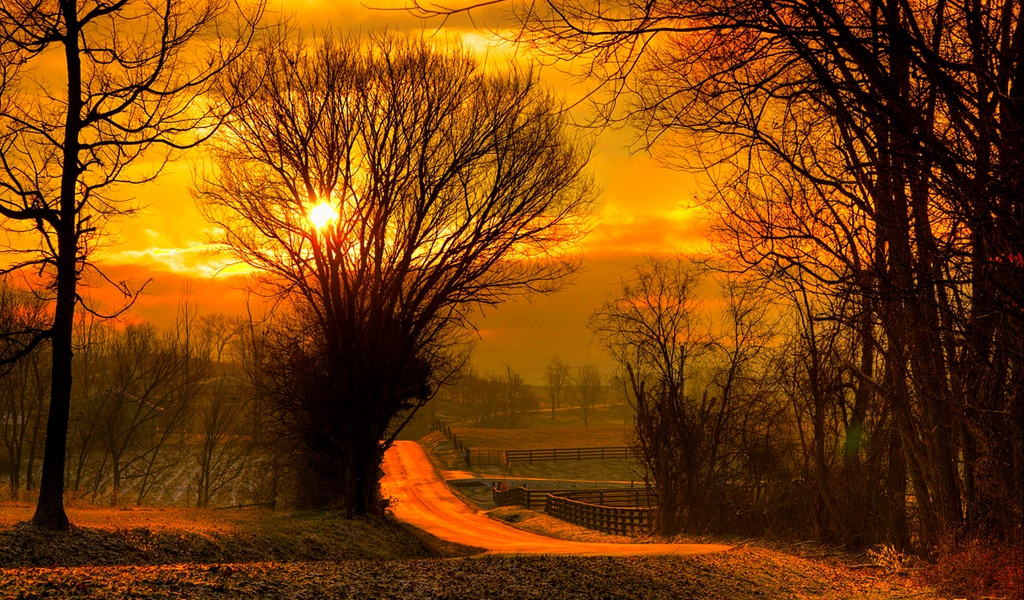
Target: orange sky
641,210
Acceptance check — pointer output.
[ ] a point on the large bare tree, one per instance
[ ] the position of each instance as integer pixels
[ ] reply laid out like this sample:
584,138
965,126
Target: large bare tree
96,93
388,186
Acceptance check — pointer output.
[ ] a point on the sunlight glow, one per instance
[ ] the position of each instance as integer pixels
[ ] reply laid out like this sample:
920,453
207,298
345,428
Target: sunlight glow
322,215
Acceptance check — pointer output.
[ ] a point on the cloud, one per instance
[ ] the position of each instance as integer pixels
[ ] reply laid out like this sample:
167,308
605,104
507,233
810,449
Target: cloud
678,232
164,290
196,259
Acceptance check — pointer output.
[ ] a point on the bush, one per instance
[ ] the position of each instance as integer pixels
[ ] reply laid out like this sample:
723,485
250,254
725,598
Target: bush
979,570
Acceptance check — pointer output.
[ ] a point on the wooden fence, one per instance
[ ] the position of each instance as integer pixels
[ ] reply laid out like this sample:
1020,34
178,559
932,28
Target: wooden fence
530,498
609,519
472,458
630,497
477,458
557,454
503,458
620,511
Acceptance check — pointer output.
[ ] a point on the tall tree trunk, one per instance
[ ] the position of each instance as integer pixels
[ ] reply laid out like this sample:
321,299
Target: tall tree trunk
50,509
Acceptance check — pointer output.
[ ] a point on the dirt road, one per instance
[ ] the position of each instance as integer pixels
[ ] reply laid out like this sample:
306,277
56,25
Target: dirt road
419,497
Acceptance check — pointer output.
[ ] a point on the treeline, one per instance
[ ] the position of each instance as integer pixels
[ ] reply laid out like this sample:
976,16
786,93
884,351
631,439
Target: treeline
866,166
501,398
157,416
759,417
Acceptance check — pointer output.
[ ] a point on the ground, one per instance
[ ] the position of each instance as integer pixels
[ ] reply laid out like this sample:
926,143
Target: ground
147,536
190,553
744,574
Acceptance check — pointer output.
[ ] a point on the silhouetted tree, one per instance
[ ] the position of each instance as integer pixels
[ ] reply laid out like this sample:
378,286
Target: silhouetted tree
653,326
698,381
433,187
131,79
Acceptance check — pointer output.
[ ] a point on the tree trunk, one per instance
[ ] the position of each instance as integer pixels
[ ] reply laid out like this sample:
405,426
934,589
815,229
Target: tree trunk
50,509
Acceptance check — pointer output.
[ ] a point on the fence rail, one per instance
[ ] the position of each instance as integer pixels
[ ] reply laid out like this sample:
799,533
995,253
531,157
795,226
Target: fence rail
628,497
477,458
620,511
530,498
557,454
609,519
471,457
503,458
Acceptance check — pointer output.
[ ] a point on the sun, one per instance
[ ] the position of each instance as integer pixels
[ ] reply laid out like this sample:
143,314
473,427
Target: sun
322,214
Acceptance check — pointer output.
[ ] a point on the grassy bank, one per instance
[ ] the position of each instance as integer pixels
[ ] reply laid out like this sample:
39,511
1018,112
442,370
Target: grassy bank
105,536
745,574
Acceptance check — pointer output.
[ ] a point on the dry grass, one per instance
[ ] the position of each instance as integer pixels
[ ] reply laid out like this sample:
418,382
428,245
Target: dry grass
978,570
104,536
165,546
181,519
744,574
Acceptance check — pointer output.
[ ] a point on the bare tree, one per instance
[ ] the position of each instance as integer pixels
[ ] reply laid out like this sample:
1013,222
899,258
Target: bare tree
189,351
557,378
697,379
223,450
24,388
387,187
133,75
516,396
140,404
655,328
92,338
587,391
225,441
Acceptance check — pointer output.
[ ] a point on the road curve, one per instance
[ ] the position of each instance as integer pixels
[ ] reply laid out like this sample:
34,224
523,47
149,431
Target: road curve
420,497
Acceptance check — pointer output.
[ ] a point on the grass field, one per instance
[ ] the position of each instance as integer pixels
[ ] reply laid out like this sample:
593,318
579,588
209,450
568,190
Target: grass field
615,415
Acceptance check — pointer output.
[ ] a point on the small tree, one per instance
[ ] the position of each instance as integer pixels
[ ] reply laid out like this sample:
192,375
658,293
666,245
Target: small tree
557,377
224,451
517,397
654,327
24,387
587,391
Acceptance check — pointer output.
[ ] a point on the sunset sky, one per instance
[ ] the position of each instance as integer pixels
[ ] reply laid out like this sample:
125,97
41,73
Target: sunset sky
643,209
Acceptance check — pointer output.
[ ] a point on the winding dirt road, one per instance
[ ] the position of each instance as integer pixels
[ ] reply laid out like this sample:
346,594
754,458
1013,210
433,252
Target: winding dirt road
420,497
